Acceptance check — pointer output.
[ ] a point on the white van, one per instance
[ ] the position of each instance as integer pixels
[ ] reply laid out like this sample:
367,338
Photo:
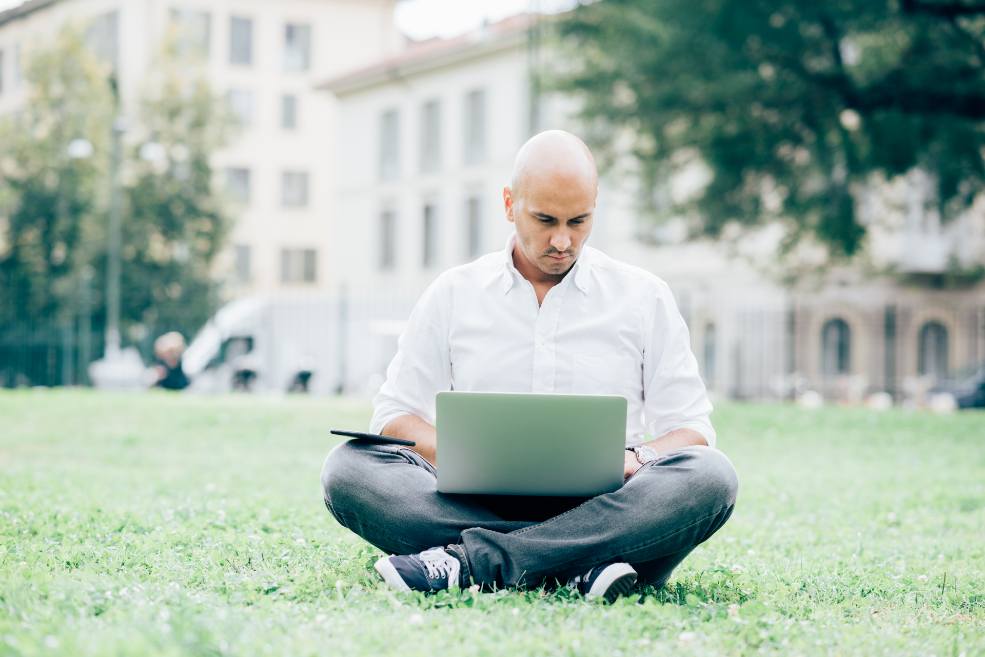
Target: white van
311,343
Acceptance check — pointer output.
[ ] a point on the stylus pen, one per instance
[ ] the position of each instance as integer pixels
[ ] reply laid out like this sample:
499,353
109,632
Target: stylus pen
374,438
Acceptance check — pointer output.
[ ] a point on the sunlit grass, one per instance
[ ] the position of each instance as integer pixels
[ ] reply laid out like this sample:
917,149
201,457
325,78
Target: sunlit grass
157,524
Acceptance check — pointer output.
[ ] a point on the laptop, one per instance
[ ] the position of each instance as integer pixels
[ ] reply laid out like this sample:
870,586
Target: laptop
530,443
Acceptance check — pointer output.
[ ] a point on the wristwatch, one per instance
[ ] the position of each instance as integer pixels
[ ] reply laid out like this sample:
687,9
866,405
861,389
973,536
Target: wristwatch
644,454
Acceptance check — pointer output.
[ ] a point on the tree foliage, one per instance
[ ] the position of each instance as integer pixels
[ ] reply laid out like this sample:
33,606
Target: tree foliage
796,107
51,199
55,238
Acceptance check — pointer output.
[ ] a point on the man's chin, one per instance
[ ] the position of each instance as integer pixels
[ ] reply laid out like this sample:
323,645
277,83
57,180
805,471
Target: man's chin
557,267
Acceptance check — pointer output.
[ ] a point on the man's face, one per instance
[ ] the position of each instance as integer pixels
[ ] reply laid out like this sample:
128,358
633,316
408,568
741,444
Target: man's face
553,218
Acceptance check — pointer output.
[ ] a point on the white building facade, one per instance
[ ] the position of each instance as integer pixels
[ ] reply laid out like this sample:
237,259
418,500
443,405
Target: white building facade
426,143
263,57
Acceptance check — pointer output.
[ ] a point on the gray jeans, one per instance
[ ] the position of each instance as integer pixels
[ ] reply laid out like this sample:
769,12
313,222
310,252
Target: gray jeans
388,496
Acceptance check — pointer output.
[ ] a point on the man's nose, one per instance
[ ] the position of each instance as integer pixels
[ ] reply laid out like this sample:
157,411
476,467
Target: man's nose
561,241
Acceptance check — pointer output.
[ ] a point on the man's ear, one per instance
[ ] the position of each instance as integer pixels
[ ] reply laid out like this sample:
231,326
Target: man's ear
508,203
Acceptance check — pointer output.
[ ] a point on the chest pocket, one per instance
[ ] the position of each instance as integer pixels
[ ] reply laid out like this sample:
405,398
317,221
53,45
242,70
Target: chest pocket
615,373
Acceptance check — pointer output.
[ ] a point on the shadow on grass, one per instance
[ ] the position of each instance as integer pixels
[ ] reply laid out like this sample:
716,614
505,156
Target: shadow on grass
714,589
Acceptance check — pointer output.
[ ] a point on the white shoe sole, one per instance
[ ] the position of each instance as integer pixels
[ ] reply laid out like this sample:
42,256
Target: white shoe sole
390,574
615,580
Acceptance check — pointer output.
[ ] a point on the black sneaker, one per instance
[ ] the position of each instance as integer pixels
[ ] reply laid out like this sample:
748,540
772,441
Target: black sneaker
609,581
431,570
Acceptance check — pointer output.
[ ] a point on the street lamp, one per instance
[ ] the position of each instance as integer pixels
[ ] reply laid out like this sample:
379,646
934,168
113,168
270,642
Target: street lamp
118,368
115,244
79,149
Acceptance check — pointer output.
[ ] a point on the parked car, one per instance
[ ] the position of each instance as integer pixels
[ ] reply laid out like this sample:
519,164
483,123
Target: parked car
967,387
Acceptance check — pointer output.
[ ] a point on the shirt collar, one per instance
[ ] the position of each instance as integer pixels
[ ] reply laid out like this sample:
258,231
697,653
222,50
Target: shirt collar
580,271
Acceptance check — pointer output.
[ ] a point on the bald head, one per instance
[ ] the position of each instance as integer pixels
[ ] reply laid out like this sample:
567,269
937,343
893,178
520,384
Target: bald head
551,201
552,158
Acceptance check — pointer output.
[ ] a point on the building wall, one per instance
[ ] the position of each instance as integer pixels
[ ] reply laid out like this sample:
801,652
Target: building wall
752,337
344,34
362,196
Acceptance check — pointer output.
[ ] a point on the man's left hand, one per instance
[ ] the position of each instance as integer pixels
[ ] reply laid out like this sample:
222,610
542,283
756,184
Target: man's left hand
631,464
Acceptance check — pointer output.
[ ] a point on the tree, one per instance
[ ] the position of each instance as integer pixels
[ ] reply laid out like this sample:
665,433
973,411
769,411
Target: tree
52,198
55,238
175,223
796,107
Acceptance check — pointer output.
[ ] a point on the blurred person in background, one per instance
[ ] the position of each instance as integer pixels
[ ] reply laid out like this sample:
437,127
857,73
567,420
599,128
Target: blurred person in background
168,350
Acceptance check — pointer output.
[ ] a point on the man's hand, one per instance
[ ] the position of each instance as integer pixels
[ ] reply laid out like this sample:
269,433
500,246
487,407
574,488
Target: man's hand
666,443
631,464
414,428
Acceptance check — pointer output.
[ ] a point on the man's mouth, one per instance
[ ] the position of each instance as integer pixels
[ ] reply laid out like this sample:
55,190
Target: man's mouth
558,256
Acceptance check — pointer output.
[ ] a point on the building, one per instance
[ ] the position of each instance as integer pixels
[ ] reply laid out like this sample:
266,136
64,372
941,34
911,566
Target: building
263,57
427,138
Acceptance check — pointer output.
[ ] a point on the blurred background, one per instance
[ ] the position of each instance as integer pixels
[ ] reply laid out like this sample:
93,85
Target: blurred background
250,195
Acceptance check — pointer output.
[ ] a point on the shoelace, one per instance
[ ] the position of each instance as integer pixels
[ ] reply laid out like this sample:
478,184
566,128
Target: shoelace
576,581
438,563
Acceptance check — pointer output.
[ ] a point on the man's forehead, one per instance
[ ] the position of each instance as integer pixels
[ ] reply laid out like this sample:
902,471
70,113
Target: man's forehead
554,158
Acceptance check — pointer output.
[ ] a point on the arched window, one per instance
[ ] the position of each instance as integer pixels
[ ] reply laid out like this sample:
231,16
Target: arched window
932,345
836,347
708,349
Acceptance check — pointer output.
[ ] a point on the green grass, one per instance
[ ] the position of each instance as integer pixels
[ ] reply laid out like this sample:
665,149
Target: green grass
166,525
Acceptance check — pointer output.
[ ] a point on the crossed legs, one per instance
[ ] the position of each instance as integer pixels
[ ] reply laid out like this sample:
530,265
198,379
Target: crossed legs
388,496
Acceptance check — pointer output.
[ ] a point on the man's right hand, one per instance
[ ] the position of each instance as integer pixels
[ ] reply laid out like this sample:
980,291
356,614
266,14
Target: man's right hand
421,432
630,464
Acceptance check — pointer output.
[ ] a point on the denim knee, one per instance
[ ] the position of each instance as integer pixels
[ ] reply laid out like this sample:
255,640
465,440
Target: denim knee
340,475
714,476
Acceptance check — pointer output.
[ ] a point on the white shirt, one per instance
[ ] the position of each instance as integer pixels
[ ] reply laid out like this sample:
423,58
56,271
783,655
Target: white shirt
606,328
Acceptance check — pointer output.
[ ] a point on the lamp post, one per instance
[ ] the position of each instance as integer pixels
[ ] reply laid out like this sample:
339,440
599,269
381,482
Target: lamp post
115,244
118,368
78,149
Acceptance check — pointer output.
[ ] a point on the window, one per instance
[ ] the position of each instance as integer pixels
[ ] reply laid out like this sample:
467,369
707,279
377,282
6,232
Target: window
709,350
473,215
240,41
429,253
836,347
102,38
475,127
241,105
297,47
242,263
298,265
932,351
294,189
289,112
430,136
193,32
388,239
18,74
238,184
390,145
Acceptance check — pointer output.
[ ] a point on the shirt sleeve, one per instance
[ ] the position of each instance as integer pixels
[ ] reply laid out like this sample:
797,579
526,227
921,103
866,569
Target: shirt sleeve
674,396
422,366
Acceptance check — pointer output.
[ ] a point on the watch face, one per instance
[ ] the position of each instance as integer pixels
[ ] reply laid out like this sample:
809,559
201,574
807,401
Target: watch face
646,454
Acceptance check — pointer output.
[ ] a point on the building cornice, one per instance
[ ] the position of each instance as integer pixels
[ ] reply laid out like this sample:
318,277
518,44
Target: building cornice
23,10
427,57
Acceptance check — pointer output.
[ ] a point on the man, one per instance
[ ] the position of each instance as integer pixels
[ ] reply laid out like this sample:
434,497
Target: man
548,314
168,349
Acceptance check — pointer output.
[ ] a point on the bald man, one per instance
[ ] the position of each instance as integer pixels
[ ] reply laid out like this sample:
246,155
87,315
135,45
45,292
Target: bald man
548,314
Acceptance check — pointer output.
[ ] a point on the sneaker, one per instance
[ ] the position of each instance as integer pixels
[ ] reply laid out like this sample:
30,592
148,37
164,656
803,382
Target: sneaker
607,581
432,570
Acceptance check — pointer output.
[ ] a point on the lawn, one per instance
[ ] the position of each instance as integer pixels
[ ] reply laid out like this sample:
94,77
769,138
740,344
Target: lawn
174,525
